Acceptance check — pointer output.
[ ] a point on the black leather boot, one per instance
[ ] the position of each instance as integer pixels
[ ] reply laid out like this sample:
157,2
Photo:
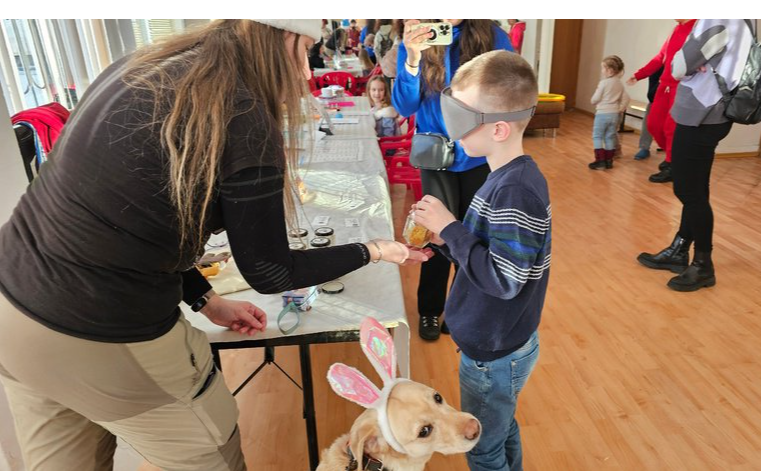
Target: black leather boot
663,176
698,275
429,328
663,164
675,257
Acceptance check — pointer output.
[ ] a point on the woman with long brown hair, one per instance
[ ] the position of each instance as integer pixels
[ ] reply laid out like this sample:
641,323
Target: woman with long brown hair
423,71
182,139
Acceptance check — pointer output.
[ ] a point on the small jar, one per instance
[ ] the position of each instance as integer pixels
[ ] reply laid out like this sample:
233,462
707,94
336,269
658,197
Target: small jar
319,242
415,234
297,246
298,233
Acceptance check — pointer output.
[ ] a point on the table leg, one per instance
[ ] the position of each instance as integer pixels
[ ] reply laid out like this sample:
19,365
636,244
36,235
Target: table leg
309,413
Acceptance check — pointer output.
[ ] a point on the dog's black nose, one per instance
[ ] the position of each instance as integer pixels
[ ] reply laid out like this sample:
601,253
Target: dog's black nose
472,429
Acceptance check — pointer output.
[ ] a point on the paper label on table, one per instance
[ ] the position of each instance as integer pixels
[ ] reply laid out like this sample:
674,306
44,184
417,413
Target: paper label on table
345,120
351,222
321,221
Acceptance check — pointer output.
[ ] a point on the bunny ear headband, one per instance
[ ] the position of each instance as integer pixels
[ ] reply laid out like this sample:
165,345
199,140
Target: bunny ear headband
351,384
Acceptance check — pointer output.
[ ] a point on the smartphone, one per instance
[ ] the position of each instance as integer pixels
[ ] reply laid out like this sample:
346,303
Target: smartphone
442,33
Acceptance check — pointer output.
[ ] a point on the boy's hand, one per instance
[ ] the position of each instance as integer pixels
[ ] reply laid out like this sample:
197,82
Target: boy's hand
431,213
437,240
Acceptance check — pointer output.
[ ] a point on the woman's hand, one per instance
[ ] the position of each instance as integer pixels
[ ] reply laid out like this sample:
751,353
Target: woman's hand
240,316
632,80
414,41
396,252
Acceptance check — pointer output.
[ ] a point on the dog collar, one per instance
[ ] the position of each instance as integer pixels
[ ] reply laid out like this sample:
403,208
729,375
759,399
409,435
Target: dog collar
368,463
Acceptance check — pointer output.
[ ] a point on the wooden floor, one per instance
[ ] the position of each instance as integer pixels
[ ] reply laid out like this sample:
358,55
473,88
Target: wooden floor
631,375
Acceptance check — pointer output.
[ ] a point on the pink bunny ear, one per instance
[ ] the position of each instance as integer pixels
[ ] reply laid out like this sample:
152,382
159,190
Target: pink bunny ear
379,348
352,385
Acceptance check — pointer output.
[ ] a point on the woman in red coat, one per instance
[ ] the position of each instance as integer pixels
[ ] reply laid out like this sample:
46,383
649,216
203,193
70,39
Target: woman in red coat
659,122
517,30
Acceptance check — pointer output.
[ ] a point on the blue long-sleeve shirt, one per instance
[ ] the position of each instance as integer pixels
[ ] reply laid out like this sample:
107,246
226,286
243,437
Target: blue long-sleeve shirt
502,248
362,36
408,97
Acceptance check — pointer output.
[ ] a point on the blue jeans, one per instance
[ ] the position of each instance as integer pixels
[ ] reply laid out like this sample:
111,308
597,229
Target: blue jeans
489,390
605,131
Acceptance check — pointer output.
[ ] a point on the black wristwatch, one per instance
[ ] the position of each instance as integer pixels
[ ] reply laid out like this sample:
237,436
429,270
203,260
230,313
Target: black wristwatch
201,302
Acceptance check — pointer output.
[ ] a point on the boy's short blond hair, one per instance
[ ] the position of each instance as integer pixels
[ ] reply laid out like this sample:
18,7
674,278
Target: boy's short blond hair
506,82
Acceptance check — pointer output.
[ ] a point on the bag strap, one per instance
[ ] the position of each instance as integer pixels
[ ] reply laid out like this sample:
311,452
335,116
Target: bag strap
723,83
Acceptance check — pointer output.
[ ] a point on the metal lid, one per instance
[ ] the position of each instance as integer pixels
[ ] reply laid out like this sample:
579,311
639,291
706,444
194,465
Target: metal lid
297,246
324,231
320,242
332,287
298,233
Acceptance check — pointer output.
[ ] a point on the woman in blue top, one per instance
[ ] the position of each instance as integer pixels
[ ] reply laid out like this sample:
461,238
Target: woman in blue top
423,72
368,29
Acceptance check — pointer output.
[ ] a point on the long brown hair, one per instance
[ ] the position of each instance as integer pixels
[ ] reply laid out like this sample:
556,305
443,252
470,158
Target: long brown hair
194,107
386,96
476,37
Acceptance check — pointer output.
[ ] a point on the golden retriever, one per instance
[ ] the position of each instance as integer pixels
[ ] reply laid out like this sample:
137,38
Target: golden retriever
422,422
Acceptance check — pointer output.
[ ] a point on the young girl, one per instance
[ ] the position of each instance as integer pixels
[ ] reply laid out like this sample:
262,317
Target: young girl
386,117
610,100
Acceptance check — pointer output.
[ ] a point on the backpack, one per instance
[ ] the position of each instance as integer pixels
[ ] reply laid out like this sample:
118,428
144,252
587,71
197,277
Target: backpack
743,104
386,44
47,122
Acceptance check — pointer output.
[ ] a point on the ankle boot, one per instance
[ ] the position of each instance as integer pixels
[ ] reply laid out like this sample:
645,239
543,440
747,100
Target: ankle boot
675,257
664,176
609,154
599,160
699,274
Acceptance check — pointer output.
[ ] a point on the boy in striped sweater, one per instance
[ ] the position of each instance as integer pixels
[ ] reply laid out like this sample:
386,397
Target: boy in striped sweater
501,249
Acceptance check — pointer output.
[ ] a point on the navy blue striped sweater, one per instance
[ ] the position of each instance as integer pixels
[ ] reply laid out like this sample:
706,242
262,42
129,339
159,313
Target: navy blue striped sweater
502,249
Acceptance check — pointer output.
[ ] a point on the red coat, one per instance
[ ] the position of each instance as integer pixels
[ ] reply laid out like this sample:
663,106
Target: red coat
516,36
663,59
47,120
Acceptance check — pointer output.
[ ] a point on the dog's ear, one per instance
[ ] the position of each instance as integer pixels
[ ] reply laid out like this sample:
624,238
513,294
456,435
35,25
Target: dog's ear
379,348
365,436
351,384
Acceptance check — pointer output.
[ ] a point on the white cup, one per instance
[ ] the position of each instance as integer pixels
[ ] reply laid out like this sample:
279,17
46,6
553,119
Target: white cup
328,92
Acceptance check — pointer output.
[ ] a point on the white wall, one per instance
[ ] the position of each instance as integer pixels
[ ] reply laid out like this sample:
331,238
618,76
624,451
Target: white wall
636,42
13,185
537,48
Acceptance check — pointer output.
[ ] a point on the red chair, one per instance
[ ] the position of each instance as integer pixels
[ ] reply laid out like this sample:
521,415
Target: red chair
361,83
343,79
401,172
314,83
404,137
396,156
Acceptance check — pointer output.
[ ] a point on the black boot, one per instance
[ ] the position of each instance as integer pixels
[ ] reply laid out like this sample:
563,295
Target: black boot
429,328
698,275
663,164
608,158
444,327
599,160
675,257
663,176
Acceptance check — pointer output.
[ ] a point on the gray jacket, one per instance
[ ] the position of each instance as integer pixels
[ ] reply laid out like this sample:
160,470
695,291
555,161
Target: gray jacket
721,46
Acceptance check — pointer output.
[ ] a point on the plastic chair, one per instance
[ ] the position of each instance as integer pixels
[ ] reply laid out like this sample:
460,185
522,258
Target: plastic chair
401,172
404,137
